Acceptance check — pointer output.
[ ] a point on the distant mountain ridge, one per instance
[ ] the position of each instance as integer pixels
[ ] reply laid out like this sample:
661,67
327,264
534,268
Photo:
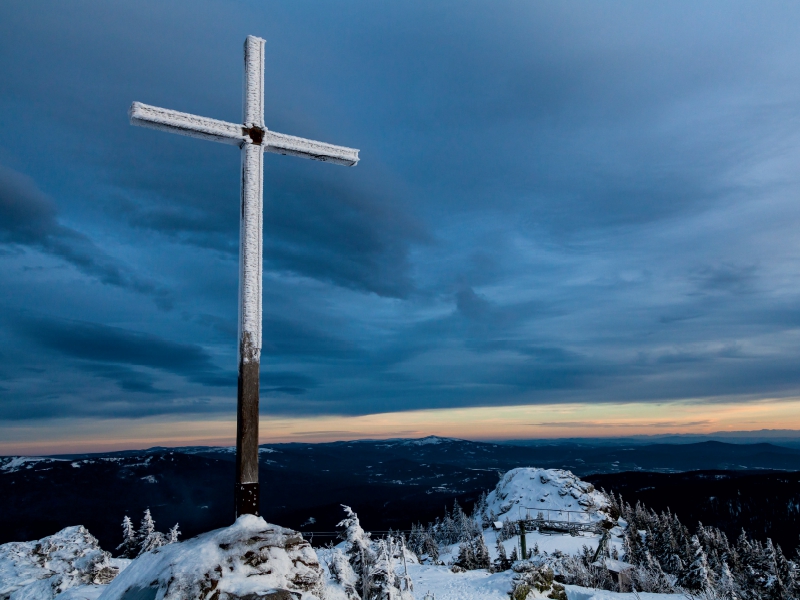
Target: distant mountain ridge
392,483
785,437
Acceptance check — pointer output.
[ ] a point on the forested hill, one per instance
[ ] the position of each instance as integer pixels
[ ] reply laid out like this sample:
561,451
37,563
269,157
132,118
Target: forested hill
390,483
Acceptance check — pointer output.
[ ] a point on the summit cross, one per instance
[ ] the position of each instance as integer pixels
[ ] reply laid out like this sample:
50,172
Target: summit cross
253,138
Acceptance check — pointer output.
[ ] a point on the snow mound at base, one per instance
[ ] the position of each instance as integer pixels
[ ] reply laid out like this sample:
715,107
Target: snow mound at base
523,493
250,559
42,569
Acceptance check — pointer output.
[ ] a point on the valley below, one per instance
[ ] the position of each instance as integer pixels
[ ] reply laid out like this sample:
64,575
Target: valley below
392,484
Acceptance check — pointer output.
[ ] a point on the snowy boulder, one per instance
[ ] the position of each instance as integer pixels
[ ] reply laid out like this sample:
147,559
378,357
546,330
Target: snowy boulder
525,492
250,560
43,569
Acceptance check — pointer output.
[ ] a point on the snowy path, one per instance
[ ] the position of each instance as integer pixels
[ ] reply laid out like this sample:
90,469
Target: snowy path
578,593
446,585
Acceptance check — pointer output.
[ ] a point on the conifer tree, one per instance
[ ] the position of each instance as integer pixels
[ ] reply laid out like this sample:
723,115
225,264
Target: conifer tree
466,556
430,547
358,550
787,572
343,573
695,576
667,550
147,527
415,539
149,538
129,548
384,585
172,535
502,563
726,588
633,546
479,511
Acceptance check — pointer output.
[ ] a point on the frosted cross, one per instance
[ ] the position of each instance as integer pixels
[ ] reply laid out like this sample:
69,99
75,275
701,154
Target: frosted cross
254,139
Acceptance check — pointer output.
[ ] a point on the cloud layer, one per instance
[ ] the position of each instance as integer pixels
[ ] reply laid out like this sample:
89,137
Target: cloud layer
556,203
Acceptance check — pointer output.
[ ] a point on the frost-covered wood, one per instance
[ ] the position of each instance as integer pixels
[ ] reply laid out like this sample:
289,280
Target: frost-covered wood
214,130
182,123
250,254
280,143
253,93
254,139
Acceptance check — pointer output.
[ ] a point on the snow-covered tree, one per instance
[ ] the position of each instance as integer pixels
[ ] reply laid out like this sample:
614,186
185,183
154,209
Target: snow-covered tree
404,581
473,554
508,531
344,575
172,534
650,577
632,545
480,513
129,548
359,552
482,558
502,563
384,584
726,587
695,576
147,526
149,538
786,572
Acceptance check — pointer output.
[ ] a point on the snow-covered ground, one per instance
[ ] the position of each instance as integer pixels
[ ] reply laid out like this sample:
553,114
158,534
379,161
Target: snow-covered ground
443,584
472,585
578,593
252,556
13,464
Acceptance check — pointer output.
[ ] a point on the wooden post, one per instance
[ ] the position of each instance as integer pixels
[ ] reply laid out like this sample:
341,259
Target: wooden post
253,137
250,280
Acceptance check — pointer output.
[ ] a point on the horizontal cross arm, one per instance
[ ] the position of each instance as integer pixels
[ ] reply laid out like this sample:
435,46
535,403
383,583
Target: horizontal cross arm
280,143
181,123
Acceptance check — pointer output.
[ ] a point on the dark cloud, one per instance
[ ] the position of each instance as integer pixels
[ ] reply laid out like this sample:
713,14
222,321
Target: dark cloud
357,238
29,218
556,202
735,279
282,337
293,384
115,346
347,232
129,380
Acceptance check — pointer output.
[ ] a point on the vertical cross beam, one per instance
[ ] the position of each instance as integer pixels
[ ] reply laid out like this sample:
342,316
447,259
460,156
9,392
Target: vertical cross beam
253,139
250,280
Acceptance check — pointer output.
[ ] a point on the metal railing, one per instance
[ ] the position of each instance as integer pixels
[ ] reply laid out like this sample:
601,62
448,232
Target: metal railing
554,520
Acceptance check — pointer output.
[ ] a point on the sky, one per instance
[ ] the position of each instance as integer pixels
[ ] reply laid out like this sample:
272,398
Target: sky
569,218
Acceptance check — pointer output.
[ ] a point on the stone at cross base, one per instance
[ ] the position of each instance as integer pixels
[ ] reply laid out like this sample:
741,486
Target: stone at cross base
250,560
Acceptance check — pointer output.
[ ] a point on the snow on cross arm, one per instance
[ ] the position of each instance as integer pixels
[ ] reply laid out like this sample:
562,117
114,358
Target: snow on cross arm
253,138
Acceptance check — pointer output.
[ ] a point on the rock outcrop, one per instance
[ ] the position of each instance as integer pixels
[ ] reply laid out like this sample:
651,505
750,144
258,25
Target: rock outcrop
556,493
251,560
43,569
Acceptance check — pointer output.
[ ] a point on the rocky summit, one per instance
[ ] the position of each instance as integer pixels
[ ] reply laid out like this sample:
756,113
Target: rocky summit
251,560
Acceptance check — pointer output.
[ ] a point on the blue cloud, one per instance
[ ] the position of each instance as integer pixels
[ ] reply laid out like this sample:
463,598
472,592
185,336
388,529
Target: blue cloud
555,202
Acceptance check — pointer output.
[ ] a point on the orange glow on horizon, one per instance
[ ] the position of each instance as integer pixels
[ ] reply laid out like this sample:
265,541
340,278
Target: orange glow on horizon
480,423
